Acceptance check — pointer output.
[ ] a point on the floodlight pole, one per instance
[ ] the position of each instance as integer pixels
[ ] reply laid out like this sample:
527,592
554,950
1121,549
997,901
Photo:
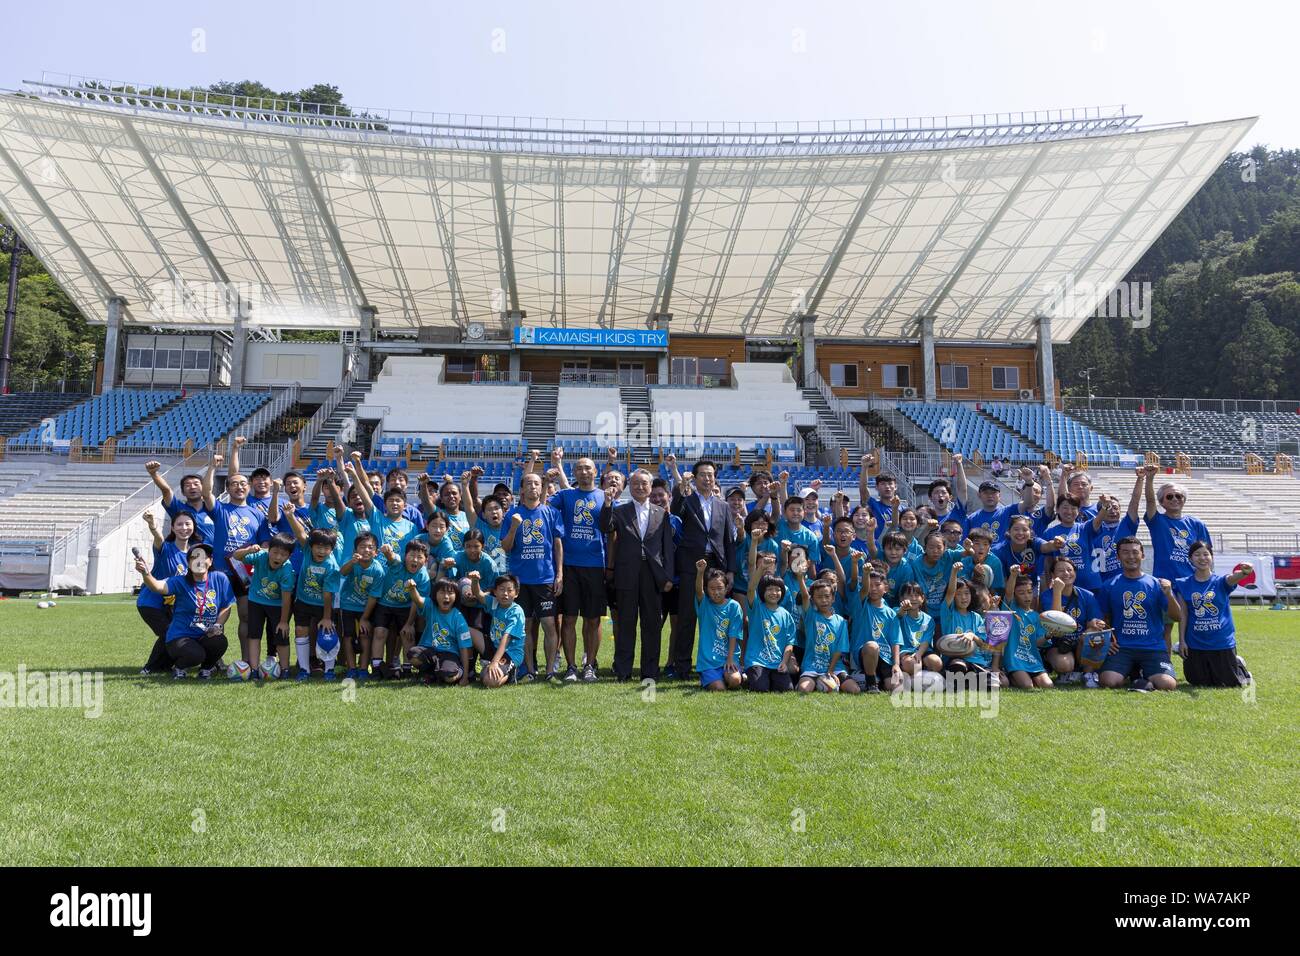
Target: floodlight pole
15,248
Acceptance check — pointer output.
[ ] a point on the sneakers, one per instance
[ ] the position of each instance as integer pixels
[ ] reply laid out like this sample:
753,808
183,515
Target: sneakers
589,675
330,674
1073,677
1091,681
526,677
995,682
178,673
670,673
304,674
570,676
1141,685
205,673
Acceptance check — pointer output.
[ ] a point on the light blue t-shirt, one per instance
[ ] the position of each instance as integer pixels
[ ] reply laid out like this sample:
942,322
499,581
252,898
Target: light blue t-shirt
266,585
361,584
391,531
823,638
914,631
487,572
1021,652
507,627
445,632
717,624
953,621
872,623
999,579
316,578
393,587
771,631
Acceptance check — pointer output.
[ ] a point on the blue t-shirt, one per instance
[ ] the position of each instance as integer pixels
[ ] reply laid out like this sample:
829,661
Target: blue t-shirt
1081,605
532,559
361,584
999,578
234,527
260,505
994,522
935,579
953,621
393,588
824,637
717,624
316,578
884,515
584,545
391,531
487,572
1029,558
168,562
281,525
507,627
801,536
197,605
740,563
1209,612
871,623
202,520
1021,651
1137,609
1170,539
492,546
914,631
268,585
457,525
771,631
899,574
437,552
1099,550
445,632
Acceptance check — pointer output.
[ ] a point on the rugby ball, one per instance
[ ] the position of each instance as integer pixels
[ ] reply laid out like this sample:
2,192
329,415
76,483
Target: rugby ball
44,604
1058,623
828,683
239,671
956,645
270,669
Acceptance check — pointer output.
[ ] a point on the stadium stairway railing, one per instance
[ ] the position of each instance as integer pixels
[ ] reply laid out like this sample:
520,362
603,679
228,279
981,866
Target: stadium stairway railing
314,424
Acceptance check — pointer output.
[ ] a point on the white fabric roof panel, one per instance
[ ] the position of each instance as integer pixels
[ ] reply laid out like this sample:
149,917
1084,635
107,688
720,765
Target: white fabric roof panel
310,226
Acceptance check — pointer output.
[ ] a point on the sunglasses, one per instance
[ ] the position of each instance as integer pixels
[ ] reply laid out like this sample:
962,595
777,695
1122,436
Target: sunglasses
1175,496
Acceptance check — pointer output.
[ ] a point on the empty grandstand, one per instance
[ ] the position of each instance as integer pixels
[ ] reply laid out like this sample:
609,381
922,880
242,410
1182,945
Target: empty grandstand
1049,429
963,430
202,419
101,417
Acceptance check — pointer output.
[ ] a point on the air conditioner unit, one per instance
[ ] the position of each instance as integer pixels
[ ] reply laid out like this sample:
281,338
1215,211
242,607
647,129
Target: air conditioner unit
909,392
1026,394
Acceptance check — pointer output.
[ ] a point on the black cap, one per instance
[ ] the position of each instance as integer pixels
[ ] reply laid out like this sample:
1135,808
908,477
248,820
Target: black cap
198,546
260,473
990,486
737,490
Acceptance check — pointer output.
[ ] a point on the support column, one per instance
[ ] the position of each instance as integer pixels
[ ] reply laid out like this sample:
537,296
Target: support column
1046,370
662,322
928,377
111,336
365,337
807,325
239,343
514,318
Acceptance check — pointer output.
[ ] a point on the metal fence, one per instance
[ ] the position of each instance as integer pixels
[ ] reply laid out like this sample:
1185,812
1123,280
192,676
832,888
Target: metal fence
1225,406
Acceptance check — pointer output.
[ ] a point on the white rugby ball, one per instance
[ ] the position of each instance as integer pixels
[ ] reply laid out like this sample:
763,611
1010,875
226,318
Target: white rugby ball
43,604
1058,623
955,645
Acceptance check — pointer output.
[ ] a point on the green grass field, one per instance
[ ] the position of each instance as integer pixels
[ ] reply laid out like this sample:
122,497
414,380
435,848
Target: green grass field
223,773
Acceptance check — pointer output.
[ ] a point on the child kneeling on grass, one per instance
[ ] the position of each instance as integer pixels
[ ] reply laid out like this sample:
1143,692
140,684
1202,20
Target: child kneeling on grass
720,625
504,646
826,638
915,632
1023,657
442,656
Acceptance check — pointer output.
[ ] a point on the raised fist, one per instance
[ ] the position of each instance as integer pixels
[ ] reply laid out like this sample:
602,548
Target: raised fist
448,562
473,575
277,484
476,472
700,565
152,467
516,519
240,441
149,519
218,459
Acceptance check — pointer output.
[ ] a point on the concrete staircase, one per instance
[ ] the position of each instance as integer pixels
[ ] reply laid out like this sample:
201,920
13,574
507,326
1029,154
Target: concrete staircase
346,408
839,435
638,419
540,409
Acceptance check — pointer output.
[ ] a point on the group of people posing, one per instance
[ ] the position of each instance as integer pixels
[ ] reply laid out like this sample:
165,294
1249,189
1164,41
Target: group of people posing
759,588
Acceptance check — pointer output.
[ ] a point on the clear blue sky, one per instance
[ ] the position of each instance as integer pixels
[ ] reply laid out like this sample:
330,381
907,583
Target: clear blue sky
703,59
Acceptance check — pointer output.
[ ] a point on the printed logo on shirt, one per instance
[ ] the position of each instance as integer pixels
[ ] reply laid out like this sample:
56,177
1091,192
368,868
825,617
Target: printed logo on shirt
1133,605
582,512
1203,604
531,530
771,637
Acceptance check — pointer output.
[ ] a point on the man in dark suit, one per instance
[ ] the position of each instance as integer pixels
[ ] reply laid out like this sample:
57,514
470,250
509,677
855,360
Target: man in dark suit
706,533
641,563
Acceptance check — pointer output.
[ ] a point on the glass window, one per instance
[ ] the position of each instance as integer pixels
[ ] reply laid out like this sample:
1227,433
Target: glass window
1006,378
954,376
844,376
896,376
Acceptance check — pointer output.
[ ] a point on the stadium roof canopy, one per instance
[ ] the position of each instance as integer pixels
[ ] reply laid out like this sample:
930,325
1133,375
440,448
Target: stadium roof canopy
158,195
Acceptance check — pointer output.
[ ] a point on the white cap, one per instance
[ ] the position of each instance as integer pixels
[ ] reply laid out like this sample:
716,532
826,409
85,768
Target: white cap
806,491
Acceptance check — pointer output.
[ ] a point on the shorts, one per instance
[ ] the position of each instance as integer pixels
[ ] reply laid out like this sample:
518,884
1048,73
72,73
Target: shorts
307,615
1215,668
1148,662
237,587
350,628
1065,645
444,666
961,666
711,675
584,592
389,618
817,678
760,679
668,601
537,600
263,620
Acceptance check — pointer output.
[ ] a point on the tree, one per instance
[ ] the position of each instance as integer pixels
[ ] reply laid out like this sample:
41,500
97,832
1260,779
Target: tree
1257,360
